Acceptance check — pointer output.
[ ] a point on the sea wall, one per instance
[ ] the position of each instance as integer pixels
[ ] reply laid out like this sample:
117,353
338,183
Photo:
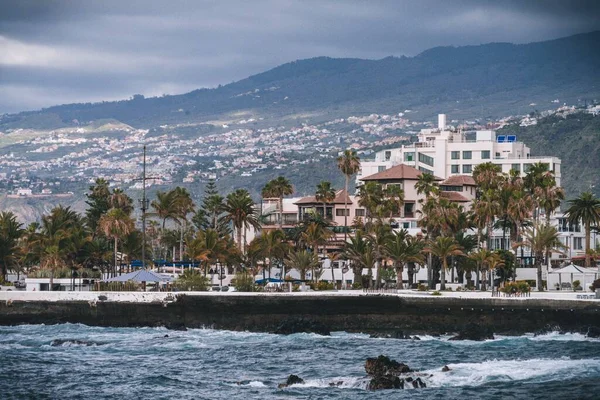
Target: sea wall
367,313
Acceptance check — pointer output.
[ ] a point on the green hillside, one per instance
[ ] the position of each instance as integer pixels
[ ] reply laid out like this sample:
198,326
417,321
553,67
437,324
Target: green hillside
575,140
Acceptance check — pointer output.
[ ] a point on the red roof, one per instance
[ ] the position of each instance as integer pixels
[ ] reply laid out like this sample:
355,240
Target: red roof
398,172
459,180
454,196
340,198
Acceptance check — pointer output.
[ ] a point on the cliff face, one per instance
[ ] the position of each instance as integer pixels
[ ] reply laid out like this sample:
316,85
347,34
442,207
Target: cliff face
339,313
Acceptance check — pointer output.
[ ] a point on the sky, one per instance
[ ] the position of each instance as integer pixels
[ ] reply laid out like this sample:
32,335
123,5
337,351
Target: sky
65,51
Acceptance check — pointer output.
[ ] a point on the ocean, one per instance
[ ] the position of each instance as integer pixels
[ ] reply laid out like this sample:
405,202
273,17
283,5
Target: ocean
73,361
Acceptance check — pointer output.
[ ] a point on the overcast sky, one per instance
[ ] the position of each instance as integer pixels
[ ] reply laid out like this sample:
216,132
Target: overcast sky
62,51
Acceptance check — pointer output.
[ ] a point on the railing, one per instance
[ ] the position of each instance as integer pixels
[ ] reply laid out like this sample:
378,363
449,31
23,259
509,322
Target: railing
394,291
497,293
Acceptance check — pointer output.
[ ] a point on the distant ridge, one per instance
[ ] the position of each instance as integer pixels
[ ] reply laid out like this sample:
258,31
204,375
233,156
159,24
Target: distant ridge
469,81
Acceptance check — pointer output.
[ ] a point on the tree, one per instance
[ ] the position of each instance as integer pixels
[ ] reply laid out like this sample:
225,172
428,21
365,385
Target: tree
487,208
378,238
302,261
393,199
98,202
314,236
520,208
10,233
271,245
487,176
360,253
184,205
541,239
241,213
212,204
325,194
119,199
426,185
481,258
278,188
207,247
443,247
371,198
349,164
585,208
115,225
402,249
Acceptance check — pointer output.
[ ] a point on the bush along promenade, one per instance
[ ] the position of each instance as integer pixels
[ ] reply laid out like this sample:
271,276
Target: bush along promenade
455,239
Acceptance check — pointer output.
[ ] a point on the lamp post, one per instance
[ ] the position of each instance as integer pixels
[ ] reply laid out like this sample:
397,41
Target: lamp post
144,206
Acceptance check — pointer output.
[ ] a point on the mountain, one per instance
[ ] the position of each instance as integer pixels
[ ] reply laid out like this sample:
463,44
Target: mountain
466,82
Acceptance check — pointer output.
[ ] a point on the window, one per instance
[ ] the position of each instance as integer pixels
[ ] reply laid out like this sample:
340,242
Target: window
467,155
409,156
455,169
409,210
455,155
485,154
451,188
526,167
577,243
388,155
427,171
381,168
467,169
425,159
359,212
565,226
339,212
497,155
516,167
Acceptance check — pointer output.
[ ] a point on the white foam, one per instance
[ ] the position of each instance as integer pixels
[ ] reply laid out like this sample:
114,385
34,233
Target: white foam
343,382
475,374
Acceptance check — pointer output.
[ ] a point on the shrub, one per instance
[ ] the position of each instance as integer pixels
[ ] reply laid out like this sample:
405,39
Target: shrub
421,288
515,288
436,293
357,285
323,285
243,282
576,284
459,289
191,279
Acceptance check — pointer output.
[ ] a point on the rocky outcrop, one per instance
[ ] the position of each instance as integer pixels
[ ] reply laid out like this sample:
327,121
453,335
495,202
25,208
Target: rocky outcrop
446,368
383,365
393,335
291,380
593,332
385,382
302,325
389,374
474,332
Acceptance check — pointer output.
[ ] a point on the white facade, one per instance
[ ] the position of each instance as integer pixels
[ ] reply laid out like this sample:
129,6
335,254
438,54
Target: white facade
446,151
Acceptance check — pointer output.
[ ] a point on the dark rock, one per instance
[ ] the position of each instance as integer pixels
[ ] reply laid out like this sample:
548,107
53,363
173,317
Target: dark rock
291,380
302,325
593,332
382,365
335,384
418,383
166,336
474,332
102,297
445,368
409,379
386,382
390,335
416,338
176,326
67,342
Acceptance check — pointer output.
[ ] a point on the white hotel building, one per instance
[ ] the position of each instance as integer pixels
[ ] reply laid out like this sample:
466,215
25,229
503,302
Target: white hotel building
446,151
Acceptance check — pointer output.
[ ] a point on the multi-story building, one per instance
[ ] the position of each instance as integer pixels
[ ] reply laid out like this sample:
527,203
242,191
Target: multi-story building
446,151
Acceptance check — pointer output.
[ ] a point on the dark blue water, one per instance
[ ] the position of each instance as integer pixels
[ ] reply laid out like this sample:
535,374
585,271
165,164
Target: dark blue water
207,364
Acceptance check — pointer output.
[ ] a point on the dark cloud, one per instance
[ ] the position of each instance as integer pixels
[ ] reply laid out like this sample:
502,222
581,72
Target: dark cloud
57,51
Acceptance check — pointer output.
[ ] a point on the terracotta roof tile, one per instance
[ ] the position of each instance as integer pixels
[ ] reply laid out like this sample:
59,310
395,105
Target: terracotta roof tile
339,199
400,171
459,180
454,196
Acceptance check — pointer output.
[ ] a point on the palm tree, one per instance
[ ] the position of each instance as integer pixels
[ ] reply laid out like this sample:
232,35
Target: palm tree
426,184
278,188
10,233
394,199
487,207
520,208
302,261
542,240
549,198
325,194
487,176
272,246
184,205
115,225
493,263
585,208
349,164
241,212
443,247
358,250
402,249
371,198
481,258
207,247
119,199
378,238
314,236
